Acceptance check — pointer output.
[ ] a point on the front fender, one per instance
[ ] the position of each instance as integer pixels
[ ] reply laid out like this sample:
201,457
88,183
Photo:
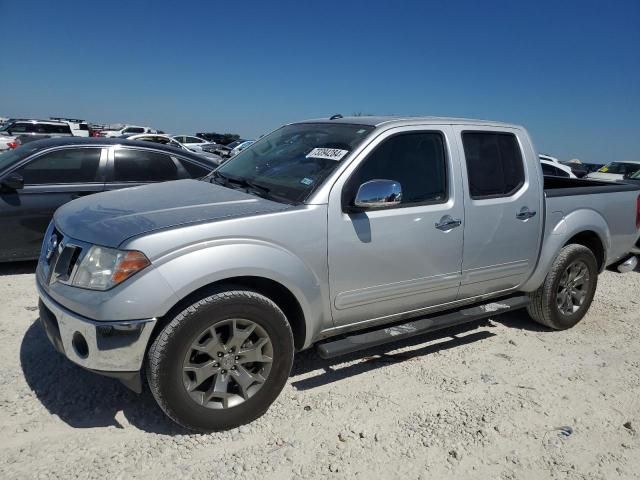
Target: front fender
196,266
559,230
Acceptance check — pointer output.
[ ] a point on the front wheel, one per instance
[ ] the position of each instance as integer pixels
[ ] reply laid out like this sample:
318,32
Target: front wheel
222,361
567,292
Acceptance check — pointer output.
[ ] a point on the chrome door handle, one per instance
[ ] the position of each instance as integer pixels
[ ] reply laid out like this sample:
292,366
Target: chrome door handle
447,223
525,214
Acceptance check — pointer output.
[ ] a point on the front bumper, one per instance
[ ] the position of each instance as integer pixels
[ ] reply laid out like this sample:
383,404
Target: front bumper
114,349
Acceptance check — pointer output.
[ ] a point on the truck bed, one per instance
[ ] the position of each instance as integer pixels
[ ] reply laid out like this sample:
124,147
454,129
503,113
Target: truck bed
612,205
563,187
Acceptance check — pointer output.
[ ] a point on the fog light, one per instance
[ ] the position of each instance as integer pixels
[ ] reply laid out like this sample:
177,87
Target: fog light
80,345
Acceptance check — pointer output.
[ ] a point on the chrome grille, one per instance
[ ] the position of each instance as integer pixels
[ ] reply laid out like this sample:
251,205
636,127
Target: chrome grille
60,257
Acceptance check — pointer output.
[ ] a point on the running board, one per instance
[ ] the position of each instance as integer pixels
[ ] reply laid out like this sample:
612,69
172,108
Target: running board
372,338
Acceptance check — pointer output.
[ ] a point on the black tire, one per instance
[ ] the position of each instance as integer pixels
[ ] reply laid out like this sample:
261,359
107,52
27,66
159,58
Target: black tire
543,306
166,355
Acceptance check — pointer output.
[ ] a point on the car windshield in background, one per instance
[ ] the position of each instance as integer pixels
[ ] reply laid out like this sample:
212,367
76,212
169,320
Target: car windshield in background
290,163
14,156
635,176
620,168
233,145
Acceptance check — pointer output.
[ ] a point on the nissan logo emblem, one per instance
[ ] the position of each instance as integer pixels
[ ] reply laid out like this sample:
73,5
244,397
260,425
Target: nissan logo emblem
51,246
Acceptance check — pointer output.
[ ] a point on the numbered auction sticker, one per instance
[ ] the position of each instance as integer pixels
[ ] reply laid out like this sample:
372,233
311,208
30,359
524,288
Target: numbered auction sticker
328,153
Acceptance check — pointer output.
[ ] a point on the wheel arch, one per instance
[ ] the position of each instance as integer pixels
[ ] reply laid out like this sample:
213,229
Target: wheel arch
275,291
593,242
582,227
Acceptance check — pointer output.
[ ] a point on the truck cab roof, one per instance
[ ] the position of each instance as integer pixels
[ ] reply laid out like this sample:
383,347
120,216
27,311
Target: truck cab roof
391,120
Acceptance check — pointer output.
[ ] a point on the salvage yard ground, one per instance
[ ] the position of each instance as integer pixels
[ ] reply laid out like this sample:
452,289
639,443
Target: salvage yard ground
501,399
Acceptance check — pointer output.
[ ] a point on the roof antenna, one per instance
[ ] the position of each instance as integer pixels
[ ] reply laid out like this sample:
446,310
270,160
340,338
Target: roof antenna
336,116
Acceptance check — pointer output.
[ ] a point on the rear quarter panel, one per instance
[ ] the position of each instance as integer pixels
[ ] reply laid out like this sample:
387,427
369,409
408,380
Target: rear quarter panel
611,216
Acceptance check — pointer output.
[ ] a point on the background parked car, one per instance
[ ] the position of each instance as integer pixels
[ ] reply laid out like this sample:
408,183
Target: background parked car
38,177
593,167
31,129
223,151
164,139
238,148
125,131
191,142
553,169
575,166
79,128
616,170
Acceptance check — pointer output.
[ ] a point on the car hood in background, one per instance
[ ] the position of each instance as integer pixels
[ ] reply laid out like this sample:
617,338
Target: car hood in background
110,218
611,177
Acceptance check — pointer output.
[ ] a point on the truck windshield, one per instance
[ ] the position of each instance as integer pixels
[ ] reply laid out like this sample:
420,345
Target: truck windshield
292,162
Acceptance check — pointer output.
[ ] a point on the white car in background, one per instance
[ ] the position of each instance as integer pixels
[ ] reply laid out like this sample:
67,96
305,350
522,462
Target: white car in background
79,128
192,142
238,148
7,143
555,169
615,171
126,131
171,141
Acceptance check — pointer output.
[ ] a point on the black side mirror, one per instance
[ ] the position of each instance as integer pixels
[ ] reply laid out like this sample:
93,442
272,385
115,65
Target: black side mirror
13,181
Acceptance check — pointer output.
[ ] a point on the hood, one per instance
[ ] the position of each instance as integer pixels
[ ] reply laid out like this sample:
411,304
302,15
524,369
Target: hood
110,218
612,177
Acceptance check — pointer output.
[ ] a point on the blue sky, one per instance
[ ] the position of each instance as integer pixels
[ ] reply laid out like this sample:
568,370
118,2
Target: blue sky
567,70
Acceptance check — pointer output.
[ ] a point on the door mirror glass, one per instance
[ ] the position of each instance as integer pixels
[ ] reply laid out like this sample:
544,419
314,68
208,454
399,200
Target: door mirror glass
378,194
13,181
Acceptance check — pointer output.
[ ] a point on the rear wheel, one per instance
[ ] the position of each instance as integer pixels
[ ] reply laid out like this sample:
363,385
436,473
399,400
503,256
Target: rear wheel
222,361
566,294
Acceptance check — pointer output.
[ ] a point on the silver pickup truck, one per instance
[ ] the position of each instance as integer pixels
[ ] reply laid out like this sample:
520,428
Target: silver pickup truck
341,233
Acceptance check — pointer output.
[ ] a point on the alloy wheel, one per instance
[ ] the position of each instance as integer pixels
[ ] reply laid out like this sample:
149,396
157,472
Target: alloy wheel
227,363
573,288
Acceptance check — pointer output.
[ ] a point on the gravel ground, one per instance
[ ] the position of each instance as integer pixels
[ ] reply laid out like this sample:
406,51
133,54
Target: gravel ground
501,399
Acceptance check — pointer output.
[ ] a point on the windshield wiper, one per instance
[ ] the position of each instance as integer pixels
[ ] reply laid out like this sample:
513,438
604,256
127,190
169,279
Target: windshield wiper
258,189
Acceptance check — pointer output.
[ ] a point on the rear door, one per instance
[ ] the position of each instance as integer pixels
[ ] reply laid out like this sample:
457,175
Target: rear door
503,209
132,166
51,180
383,263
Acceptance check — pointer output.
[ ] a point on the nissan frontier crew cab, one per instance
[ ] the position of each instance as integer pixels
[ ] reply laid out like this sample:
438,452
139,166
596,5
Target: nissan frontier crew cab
338,233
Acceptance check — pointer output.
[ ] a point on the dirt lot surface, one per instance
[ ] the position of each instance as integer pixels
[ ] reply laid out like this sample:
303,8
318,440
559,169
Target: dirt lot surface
502,399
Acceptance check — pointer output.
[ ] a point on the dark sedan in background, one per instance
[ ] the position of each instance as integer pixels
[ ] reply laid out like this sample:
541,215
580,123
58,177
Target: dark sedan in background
37,178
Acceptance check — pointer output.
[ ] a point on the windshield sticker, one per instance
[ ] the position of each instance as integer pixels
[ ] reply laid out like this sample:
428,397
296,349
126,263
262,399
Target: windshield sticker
328,153
306,181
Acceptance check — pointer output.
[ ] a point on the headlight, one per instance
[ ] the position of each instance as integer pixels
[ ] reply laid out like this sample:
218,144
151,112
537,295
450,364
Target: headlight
103,268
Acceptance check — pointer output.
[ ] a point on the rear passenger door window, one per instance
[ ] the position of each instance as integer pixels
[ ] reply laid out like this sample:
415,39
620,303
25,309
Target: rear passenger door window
416,160
63,166
194,170
53,129
142,166
20,128
494,164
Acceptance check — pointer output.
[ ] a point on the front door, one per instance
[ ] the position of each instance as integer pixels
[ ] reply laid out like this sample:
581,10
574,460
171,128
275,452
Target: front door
404,258
51,180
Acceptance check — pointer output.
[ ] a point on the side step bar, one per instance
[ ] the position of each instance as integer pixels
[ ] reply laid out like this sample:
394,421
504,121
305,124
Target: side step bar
372,338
